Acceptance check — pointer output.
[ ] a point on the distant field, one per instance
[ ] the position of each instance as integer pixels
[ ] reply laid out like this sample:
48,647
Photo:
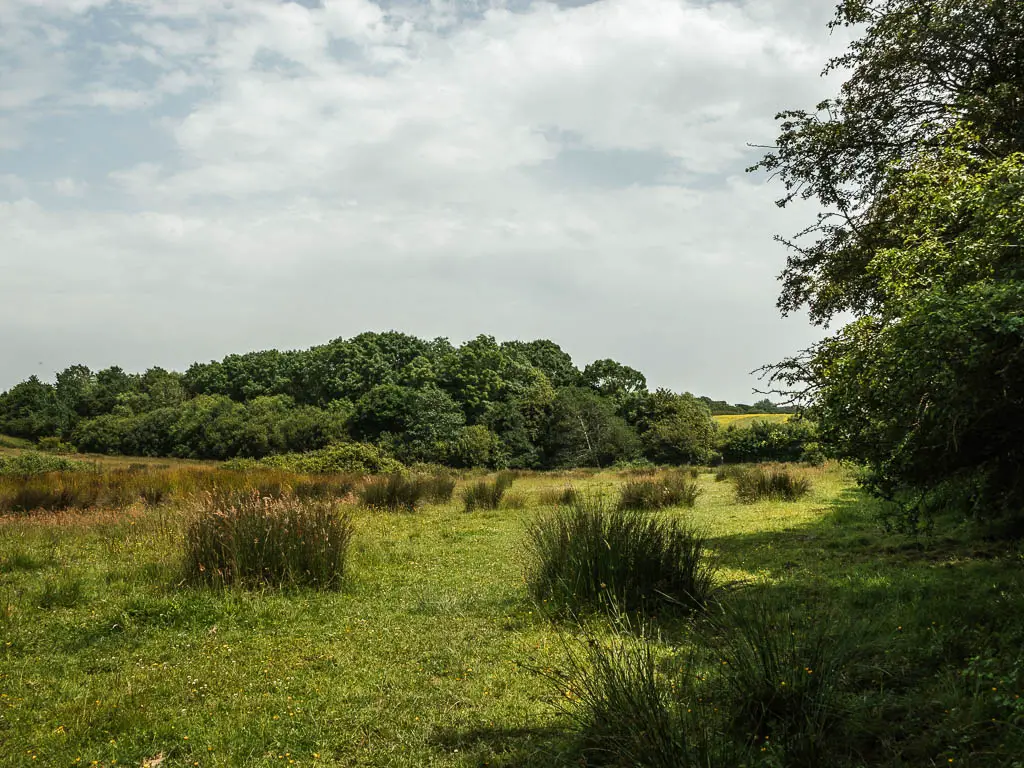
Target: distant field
746,419
14,442
15,445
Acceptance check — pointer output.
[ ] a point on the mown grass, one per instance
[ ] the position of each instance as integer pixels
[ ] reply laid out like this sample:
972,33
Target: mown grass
433,654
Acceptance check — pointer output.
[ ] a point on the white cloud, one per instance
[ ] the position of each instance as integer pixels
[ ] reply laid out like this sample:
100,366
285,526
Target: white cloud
329,169
68,187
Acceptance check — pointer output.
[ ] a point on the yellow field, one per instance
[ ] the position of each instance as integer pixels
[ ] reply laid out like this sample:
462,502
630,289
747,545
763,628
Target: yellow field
746,419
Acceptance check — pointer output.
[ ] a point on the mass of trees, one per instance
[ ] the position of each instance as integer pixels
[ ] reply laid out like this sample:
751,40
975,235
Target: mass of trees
481,404
919,167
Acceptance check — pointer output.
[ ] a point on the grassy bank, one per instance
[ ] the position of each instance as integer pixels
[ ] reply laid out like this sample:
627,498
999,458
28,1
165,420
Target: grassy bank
431,654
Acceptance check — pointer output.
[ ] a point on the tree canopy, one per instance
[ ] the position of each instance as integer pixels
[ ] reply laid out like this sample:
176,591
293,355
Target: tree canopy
482,403
918,167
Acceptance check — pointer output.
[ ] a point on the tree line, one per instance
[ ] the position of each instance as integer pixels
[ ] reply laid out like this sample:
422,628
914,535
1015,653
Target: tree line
483,403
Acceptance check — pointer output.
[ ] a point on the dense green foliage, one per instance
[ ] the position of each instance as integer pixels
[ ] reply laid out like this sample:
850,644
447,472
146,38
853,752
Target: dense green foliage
768,441
920,163
482,404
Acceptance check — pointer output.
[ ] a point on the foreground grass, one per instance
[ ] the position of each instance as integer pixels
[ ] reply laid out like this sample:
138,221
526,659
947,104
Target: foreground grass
432,655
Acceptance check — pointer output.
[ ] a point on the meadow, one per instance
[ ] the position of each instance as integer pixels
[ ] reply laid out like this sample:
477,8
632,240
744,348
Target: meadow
432,652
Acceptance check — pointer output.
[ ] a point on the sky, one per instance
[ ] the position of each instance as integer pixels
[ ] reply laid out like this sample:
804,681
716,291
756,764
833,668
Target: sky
185,179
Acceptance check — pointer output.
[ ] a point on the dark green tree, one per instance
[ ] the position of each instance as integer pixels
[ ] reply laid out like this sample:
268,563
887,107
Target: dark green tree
917,167
614,380
585,431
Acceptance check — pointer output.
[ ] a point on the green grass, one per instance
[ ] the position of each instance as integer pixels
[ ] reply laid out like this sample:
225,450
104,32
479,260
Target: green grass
431,653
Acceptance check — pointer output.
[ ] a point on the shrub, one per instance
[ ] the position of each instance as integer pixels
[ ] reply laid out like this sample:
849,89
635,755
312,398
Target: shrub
485,494
393,492
54,445
772,483
584,554
259,540
768,441
339,458
36,463
672,490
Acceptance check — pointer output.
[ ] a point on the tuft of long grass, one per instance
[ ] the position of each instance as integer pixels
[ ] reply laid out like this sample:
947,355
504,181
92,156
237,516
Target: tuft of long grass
586,554
260,540
558,497
672,490
486,494
782,678
66,592
776,483
324,487
393,492
439,487
635,707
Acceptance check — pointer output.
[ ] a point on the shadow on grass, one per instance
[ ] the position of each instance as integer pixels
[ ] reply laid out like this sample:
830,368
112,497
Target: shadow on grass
928,609
501,747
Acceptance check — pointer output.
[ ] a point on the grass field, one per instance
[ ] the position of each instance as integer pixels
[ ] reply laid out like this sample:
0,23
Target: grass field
740,420
432,655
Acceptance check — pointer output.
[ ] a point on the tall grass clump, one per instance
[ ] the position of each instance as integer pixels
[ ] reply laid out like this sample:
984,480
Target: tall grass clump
324,487
673,490
635,705
781,679
585,555
393,492
559,497
259,540
773,483
439,488
756,680
486,494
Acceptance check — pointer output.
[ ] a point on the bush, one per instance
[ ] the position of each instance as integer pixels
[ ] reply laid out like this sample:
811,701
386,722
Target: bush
54,445
35,463
485,494
771,483
393,492
768,441
672,490
268,541
584,555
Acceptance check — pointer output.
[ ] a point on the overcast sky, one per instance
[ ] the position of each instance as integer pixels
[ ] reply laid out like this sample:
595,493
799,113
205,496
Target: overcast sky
183,179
